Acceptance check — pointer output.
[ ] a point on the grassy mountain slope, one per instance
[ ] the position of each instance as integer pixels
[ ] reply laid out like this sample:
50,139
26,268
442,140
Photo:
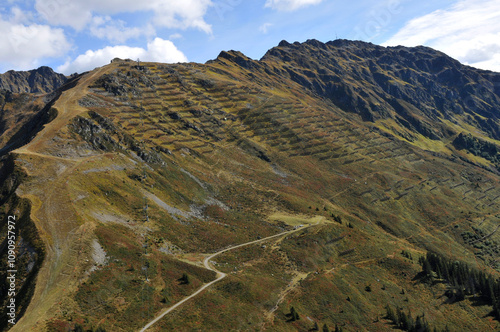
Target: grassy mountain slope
147,169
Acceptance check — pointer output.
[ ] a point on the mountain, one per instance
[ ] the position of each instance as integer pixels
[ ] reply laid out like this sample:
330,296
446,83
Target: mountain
41,80
412,86
338,183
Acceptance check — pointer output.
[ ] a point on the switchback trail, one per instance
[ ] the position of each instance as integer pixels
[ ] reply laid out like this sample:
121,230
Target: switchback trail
220,275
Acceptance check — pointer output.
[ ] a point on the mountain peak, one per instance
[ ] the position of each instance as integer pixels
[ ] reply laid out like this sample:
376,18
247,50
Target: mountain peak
43,70
40,80
236,57
284,43
374,81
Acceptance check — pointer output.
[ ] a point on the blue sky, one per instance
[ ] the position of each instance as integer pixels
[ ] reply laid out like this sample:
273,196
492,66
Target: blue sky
78,35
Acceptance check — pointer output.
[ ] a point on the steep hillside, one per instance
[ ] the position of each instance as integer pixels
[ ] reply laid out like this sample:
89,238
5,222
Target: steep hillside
425,91
335,166
41,80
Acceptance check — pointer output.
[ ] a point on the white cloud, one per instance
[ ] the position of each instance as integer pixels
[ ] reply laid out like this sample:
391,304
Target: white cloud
264,28
167,13
65,13
290,5
175,36
468,31
20,16
158,50
23,46
116,31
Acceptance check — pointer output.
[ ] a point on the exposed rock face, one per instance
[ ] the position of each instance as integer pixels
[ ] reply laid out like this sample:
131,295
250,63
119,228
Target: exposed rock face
41,80
414,85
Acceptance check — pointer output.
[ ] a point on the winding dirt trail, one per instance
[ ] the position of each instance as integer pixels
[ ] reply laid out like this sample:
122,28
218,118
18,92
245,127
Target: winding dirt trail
220,275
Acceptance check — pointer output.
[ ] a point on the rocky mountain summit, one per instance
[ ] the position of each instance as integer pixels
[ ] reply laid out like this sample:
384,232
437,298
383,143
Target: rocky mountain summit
418,87
41,80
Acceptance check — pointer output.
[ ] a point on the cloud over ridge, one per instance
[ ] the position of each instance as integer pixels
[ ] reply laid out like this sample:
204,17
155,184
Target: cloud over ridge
20,40
469,31
158,50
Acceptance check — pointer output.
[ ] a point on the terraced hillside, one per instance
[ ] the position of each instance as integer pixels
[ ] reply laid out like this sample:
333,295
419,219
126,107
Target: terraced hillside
150,168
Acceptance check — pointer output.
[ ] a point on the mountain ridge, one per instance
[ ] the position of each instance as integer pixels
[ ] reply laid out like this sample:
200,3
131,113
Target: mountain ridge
438,73
41,80
147,170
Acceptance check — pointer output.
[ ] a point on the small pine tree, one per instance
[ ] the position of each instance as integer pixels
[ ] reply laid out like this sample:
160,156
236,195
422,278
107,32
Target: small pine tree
325,328
439,273
78,328
496,309
411,323
316,327
404,323
399,315
390,314
294,314
185,279
426,267
419,324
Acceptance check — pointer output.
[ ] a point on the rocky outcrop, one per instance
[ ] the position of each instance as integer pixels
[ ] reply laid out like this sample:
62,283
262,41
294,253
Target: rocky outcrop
41,80
478,147
101,134
30,251
416,86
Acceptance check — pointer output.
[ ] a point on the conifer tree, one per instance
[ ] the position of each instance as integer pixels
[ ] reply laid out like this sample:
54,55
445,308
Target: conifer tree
427,268
390,314
78,328
185,279
418,324
403,324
